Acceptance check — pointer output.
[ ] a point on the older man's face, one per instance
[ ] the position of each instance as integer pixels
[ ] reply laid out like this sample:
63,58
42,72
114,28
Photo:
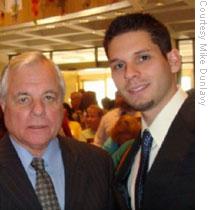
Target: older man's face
33,107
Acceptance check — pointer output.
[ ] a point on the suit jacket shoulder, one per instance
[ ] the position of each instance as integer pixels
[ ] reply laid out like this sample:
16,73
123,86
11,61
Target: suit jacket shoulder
16,191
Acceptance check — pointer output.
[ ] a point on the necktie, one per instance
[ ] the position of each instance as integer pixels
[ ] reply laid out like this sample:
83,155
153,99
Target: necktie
142,172
44,186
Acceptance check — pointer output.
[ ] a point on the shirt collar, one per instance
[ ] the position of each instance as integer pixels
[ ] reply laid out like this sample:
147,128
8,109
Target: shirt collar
49,155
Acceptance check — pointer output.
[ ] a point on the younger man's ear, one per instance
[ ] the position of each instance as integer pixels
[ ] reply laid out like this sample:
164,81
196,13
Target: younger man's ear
174,60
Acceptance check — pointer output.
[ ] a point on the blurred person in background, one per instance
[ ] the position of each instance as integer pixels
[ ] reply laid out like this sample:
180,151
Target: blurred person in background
70,127
88,98
93,118
122,136
110,118
107,104
65,129
76,98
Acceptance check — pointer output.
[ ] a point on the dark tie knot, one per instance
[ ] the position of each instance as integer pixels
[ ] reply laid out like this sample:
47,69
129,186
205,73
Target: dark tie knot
38,164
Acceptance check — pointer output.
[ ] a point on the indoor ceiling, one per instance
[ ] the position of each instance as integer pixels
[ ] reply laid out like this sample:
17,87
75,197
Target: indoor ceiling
86,29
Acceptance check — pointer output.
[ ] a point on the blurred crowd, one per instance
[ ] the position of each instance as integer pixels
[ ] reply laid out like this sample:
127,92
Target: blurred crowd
112,127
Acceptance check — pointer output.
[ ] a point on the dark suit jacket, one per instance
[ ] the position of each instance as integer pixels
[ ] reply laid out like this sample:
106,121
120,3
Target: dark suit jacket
170,183
88,177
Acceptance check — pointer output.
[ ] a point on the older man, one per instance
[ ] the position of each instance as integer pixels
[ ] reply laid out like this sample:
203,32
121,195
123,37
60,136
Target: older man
38,169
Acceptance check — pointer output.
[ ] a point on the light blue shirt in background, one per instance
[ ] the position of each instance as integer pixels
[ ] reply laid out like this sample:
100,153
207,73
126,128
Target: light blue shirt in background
53,165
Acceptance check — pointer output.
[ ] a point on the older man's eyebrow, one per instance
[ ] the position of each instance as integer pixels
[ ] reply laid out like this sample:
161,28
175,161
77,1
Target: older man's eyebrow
22,94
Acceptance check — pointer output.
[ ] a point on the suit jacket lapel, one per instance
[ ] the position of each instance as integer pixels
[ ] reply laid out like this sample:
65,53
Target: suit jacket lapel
14,178
75,179
166,163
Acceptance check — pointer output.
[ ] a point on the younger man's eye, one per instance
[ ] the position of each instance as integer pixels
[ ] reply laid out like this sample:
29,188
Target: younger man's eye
118,66
142,58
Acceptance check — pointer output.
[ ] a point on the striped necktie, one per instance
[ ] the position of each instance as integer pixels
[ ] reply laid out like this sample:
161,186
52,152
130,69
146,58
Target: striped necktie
142,172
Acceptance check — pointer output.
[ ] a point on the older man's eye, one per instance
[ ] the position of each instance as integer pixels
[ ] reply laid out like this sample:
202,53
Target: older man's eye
23,100
50,98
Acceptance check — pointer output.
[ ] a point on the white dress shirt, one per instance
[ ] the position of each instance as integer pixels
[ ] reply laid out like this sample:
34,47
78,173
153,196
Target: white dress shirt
158,130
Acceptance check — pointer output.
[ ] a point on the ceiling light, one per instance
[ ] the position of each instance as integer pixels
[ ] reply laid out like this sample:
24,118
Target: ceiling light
84,21
159,4
50,26
99,17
